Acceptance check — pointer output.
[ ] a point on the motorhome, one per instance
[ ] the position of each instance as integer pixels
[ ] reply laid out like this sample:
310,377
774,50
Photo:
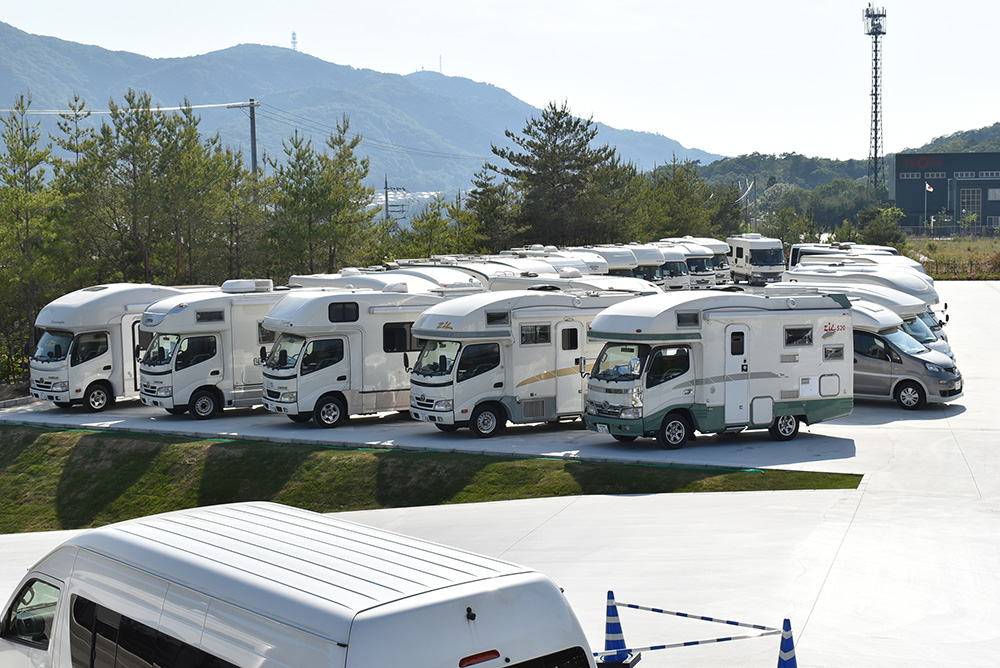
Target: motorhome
271,586
911,282
720,255
801,250
621,260
756,259
716,362
340,352
910,309
416,279
675,270
880,259
700,262
204,353
891,364
503,356
91,343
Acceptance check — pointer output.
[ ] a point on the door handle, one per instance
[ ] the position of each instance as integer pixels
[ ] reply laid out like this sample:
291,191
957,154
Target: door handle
341,377
215,372
107,368
500,384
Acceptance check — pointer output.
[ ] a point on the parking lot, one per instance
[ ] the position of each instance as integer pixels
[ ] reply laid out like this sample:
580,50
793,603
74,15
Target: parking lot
902,571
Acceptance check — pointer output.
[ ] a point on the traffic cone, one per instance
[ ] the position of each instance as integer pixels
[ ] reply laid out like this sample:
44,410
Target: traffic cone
614,639
786,655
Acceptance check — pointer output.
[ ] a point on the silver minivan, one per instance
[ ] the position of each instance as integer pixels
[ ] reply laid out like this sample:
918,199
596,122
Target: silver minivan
891,364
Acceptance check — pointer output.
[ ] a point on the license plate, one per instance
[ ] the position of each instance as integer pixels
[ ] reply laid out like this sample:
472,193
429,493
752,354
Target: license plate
603,429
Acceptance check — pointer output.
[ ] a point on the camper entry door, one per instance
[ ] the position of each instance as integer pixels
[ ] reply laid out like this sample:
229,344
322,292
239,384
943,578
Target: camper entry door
737,385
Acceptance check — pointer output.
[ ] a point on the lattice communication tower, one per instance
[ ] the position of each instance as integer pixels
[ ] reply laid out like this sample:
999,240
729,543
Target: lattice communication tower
875,26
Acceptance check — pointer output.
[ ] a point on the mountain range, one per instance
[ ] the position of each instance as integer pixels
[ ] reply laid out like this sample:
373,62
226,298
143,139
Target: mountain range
422,131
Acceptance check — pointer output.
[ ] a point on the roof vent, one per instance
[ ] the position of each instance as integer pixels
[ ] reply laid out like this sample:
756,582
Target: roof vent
241,285
570,272
396,287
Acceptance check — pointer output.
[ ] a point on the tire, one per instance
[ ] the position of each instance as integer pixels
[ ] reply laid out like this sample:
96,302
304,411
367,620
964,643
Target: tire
330,411
674,431
785,428
98,397
204,405
300,417
177,410
487,420
623,438
446,428
910,395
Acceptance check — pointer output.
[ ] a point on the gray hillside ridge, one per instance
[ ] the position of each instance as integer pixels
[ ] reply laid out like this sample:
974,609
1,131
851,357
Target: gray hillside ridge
425,131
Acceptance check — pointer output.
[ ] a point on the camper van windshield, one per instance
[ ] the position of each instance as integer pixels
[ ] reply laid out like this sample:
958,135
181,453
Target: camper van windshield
701,265
720,261
765,256
285,351
53,346
905,343
648,273
615,361
437,358
916,328
674,269
161,349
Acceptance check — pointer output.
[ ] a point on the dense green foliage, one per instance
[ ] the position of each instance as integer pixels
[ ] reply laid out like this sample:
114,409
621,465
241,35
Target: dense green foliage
74,479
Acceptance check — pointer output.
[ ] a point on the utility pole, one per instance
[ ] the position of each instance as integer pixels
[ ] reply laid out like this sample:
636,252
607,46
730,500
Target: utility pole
252,104
875,27
394,189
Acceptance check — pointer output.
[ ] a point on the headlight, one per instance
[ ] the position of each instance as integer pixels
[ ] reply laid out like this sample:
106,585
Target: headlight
165,391
444,405
590,408
933,367
289,397
60,387
631,413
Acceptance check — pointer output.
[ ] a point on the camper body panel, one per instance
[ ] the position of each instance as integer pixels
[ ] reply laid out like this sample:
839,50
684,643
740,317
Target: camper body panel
206,346
97,333
726,362
515,354
911,282
308,590
756,259
347,343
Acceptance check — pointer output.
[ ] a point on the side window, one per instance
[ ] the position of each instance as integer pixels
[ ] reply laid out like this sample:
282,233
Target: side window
739,251
89,346
396,338
869,345
666,364
321,354
265,336
798,336
343,312
570,339
478,359
535,335
30,618
736,343
195,350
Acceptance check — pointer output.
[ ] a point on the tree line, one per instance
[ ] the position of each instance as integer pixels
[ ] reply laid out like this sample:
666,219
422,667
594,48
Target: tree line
145,196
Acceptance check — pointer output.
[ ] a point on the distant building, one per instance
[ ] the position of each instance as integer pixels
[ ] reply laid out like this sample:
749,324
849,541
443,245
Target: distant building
938,191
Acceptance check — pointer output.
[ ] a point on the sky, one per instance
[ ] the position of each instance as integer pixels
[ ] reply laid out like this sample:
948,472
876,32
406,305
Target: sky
725,76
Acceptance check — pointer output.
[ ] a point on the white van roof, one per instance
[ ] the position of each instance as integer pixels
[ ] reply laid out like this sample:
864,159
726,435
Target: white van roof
899,302
311,571
99,305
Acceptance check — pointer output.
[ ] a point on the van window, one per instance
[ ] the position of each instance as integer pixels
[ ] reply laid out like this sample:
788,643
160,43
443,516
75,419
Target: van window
570,339
195,350
739,251
265,335
209,316
736,343
666,364
321,353
798,336
869,345
477,360
89,346
30,618
396,338
833,353
689,319
535,335
102,638
343,312
498,317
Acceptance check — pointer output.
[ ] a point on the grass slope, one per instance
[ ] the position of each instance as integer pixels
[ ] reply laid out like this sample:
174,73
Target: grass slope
52,479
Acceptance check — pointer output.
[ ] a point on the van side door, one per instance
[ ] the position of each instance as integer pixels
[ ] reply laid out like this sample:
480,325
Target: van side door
872,365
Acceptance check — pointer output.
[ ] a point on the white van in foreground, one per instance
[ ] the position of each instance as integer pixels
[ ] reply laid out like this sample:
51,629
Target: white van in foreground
261,585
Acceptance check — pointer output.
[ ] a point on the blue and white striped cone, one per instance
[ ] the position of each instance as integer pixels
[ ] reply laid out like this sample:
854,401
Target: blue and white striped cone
614,639
786,655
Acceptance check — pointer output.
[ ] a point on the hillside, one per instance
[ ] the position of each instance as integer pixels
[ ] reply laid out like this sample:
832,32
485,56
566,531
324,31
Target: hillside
423,131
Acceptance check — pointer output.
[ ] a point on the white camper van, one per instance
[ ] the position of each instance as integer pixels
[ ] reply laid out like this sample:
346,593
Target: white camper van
700,262
503,356
90,345
675,270
204,353
756,259
799,251
720,254
719,362
263,585
340,353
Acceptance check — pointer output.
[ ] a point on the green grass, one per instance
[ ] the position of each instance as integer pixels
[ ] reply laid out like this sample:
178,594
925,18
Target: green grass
52,479
960,258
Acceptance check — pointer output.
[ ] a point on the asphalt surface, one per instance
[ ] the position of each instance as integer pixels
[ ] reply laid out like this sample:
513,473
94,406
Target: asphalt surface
903,571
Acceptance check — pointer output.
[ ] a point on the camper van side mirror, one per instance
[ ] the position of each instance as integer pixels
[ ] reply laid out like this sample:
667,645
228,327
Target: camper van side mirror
583,366
406,363
282,358
138,351
263,354
635,366
58,351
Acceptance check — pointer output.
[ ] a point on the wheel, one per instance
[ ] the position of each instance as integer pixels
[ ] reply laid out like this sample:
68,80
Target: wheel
487,420
785,428
329,412
447,428
910,395
177,410
98,397
623,438
674,431
300,417
203,404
